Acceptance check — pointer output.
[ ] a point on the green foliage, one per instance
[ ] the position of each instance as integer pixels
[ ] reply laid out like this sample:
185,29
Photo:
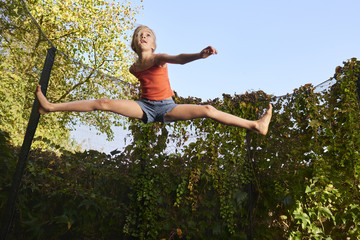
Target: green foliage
330,206
244,184
323,213
7,167
72,197
301,181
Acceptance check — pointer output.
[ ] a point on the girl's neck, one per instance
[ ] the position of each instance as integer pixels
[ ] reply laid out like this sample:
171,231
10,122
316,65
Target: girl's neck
145,57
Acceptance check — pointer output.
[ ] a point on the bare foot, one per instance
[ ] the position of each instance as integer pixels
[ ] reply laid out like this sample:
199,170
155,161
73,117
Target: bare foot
44,103
264,121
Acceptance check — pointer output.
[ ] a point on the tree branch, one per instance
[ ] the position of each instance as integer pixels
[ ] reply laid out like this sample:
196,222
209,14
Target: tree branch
75,86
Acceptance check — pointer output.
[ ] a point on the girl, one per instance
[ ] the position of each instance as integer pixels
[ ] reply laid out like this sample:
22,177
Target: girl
156,104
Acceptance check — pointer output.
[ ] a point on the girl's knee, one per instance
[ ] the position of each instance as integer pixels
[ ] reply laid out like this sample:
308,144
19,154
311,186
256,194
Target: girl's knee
103,104
209,110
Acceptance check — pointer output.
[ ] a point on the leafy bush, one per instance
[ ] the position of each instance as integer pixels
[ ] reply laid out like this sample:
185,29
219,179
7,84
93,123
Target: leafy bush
301,181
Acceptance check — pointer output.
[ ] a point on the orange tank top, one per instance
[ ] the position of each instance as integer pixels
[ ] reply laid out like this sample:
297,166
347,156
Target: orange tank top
154,83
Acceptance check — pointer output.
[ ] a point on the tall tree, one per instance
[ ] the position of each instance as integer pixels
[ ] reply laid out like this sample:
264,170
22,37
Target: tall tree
93,31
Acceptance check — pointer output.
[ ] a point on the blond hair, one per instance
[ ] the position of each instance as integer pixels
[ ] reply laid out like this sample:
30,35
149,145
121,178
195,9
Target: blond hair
136,32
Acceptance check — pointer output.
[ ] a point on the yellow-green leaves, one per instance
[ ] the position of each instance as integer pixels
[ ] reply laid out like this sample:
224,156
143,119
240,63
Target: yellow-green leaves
92,31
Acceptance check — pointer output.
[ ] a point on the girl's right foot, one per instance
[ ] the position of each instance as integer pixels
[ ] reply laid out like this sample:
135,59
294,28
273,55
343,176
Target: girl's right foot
45,105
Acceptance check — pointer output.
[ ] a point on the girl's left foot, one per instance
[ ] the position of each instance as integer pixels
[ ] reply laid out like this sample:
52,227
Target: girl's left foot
263,123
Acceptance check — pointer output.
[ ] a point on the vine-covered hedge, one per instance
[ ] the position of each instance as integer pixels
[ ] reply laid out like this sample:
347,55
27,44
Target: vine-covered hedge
301,181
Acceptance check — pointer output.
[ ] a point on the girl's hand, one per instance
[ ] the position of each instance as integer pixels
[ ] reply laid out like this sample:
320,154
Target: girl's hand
207,52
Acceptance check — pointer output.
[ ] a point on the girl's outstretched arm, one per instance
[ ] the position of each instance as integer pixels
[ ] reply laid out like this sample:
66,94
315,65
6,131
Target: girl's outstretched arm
185,57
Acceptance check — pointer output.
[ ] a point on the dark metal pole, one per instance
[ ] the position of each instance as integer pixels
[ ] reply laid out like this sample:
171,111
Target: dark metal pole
358,87
251,189
24,151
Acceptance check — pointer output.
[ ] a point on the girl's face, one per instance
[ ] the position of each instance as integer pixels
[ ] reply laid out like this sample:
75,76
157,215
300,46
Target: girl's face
144,40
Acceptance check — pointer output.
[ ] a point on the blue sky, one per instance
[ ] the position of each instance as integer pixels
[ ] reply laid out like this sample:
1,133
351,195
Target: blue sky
274,46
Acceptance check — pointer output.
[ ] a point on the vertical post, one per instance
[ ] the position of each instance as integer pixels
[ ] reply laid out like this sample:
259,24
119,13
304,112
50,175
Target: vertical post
25,148
358,87
251,189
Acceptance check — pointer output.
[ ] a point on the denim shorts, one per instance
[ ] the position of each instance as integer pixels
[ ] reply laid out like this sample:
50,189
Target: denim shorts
155,110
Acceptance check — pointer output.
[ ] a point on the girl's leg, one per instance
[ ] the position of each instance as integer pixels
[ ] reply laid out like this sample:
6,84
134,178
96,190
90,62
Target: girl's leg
127,108
189,111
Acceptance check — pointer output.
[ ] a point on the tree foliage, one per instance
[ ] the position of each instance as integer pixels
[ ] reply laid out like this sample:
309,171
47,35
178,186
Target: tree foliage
94,31
301,181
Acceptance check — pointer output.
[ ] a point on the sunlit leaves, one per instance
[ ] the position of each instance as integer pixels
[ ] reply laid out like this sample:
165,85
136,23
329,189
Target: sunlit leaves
95,32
